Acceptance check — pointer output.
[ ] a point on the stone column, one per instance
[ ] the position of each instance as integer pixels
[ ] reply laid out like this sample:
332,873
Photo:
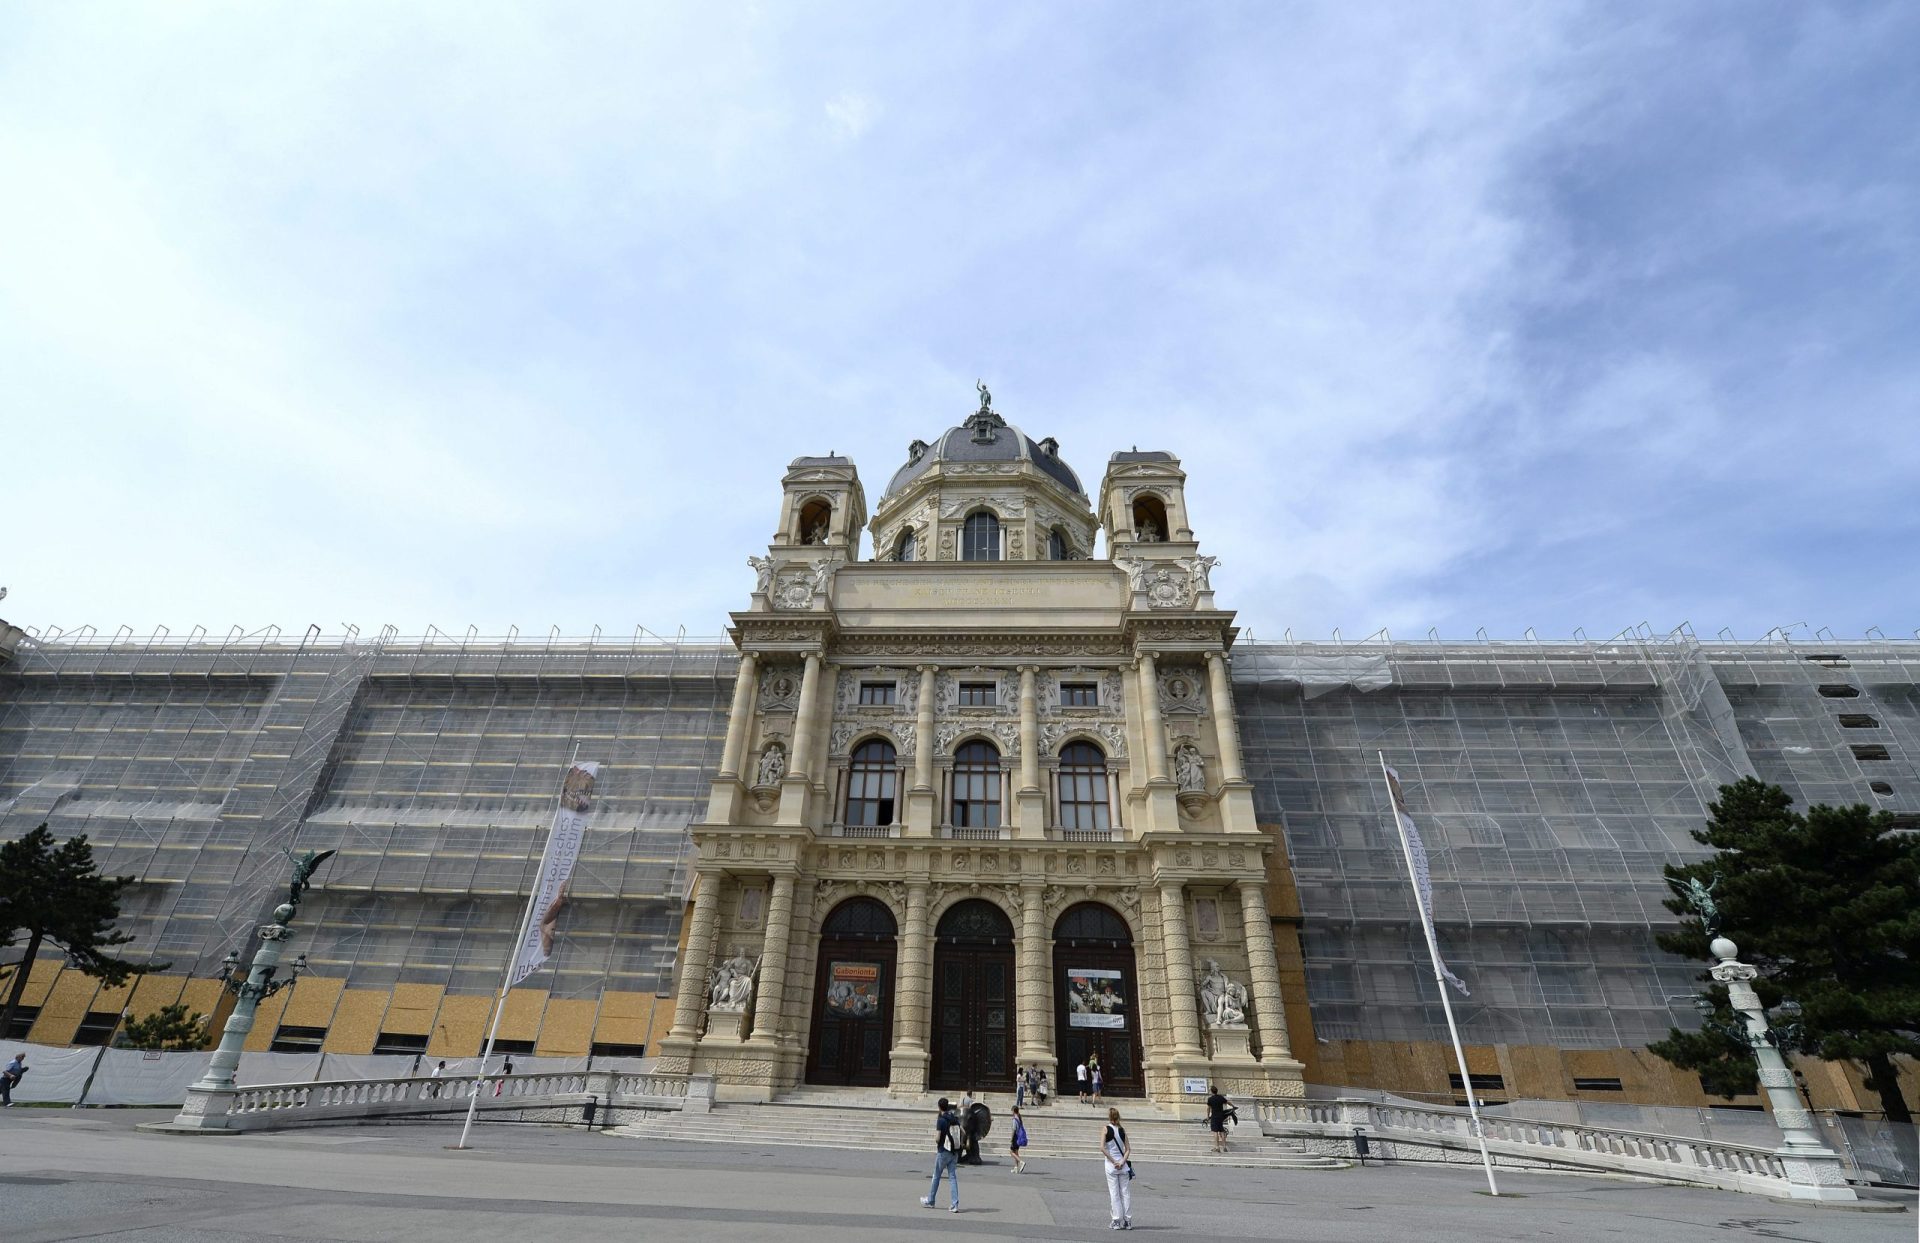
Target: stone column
1223,719
806,716
1030,799
1179,954
1029,731
691,1003
1150,718
1034,985
798,783
1269,1010
921,798
773,960
911,1013
740,723
923,732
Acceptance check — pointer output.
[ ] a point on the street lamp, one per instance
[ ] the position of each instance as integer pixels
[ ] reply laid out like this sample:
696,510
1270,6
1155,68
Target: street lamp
208,1100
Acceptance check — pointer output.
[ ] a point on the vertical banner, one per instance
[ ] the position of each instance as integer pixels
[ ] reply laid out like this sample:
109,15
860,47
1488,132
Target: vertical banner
556,870
1417,856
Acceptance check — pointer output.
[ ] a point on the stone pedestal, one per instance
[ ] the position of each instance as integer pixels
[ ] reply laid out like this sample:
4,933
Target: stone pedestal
1230,1044
727,1027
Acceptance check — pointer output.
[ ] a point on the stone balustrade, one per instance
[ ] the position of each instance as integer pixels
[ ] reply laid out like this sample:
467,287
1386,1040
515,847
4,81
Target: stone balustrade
1397,1132
560,1096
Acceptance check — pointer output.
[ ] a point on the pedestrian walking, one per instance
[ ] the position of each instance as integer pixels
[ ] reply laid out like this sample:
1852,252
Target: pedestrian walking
1080,1076
1019,1087
1119,1170
1219,1109
1019,1141
1094,1070
948,1139
11,1075
506,1068
436,1074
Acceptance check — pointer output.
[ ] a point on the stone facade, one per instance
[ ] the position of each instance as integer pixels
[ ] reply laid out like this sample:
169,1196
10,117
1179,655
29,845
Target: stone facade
983,715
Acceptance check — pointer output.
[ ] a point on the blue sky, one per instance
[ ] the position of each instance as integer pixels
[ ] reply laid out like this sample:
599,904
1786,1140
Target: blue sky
1459,316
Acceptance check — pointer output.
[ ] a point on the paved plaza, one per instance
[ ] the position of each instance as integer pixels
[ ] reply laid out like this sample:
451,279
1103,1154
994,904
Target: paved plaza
90,1175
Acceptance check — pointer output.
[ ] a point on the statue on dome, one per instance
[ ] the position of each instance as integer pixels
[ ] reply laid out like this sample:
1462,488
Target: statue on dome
986,398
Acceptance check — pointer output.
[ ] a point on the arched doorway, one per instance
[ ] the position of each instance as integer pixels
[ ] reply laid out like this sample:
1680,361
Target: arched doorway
853,996
1097,1006
973,1008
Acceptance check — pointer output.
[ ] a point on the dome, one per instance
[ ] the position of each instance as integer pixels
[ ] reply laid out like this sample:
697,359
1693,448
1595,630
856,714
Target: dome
985,437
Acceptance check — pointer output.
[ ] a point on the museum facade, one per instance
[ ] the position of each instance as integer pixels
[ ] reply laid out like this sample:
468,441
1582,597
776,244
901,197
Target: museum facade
979,799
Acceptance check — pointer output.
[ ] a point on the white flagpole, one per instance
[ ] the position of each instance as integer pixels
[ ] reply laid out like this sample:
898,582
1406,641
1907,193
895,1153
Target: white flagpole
1439,979
506,977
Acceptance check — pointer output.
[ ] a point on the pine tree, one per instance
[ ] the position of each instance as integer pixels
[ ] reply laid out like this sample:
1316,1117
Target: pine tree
51,893
169,1028
1827,906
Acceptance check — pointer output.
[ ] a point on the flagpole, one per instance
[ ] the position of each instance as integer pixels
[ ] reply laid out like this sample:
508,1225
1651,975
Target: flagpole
1439,978
506,977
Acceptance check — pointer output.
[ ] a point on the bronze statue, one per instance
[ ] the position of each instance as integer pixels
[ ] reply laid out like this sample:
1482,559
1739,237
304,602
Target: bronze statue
986,398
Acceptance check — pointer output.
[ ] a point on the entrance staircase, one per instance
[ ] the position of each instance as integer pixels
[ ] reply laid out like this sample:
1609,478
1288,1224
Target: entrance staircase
870,1120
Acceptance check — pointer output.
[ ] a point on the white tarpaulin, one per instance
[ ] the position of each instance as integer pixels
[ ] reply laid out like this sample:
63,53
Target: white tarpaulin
371,1065
277,1068
53,1075
131,1077
556,869
1417,850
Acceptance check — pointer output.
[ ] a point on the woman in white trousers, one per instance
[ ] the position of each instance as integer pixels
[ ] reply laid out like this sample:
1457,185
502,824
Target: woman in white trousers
1119,1167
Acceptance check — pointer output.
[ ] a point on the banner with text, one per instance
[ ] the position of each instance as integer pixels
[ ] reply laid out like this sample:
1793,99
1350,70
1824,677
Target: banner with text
556,870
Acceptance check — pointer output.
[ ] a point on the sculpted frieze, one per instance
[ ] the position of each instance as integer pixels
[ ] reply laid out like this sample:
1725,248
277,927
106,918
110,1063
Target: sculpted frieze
983,647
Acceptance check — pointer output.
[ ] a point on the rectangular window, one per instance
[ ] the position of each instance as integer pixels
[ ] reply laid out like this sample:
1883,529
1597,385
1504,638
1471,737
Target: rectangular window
876,692
1481,1083
1840,690
1869,751
1598,1085
977,694
602,1049
395,1042
297,1040
1079,694
97,1028
513,1048
1831,660
22,1022
1858,720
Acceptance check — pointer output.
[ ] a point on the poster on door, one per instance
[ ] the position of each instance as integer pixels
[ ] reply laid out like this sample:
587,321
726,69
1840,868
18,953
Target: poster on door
853,990
1095,998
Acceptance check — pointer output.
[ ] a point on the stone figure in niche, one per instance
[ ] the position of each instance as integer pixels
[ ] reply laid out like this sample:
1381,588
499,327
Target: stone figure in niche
730,985
817,533
762,574
773,764
1189,770
1147,531
1223,1000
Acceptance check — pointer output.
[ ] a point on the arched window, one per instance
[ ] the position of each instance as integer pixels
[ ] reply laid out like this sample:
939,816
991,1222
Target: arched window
974,922
1083,788
860,919
907,547
1058,549
976,786
980,538
870,784
1092,923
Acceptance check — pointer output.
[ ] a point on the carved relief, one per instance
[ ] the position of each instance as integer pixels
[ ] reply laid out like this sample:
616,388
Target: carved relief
1005,505
780,688
1182,693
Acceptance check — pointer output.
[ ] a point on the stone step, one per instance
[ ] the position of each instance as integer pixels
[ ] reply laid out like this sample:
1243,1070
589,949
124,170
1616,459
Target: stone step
888,1127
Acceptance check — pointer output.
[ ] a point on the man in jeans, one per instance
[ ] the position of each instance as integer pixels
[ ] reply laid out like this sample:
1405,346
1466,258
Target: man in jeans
948,1139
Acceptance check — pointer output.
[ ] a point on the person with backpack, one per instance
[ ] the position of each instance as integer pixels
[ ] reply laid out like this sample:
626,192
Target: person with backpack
1019,1141
948,1139
1219,1109
1119,1168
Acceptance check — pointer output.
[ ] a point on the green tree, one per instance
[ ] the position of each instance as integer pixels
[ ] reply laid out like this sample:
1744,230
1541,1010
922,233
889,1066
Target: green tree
51,893
170,1028
1827,906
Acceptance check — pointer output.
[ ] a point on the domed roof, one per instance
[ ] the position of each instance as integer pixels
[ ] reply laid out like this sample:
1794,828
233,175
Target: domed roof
985,437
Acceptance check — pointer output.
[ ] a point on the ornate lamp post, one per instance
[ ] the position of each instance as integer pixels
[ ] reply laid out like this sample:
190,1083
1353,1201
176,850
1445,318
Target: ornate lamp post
208,1100
1813,1169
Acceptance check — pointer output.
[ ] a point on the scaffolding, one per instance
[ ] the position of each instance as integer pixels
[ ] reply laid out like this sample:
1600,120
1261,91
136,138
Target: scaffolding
1552,782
